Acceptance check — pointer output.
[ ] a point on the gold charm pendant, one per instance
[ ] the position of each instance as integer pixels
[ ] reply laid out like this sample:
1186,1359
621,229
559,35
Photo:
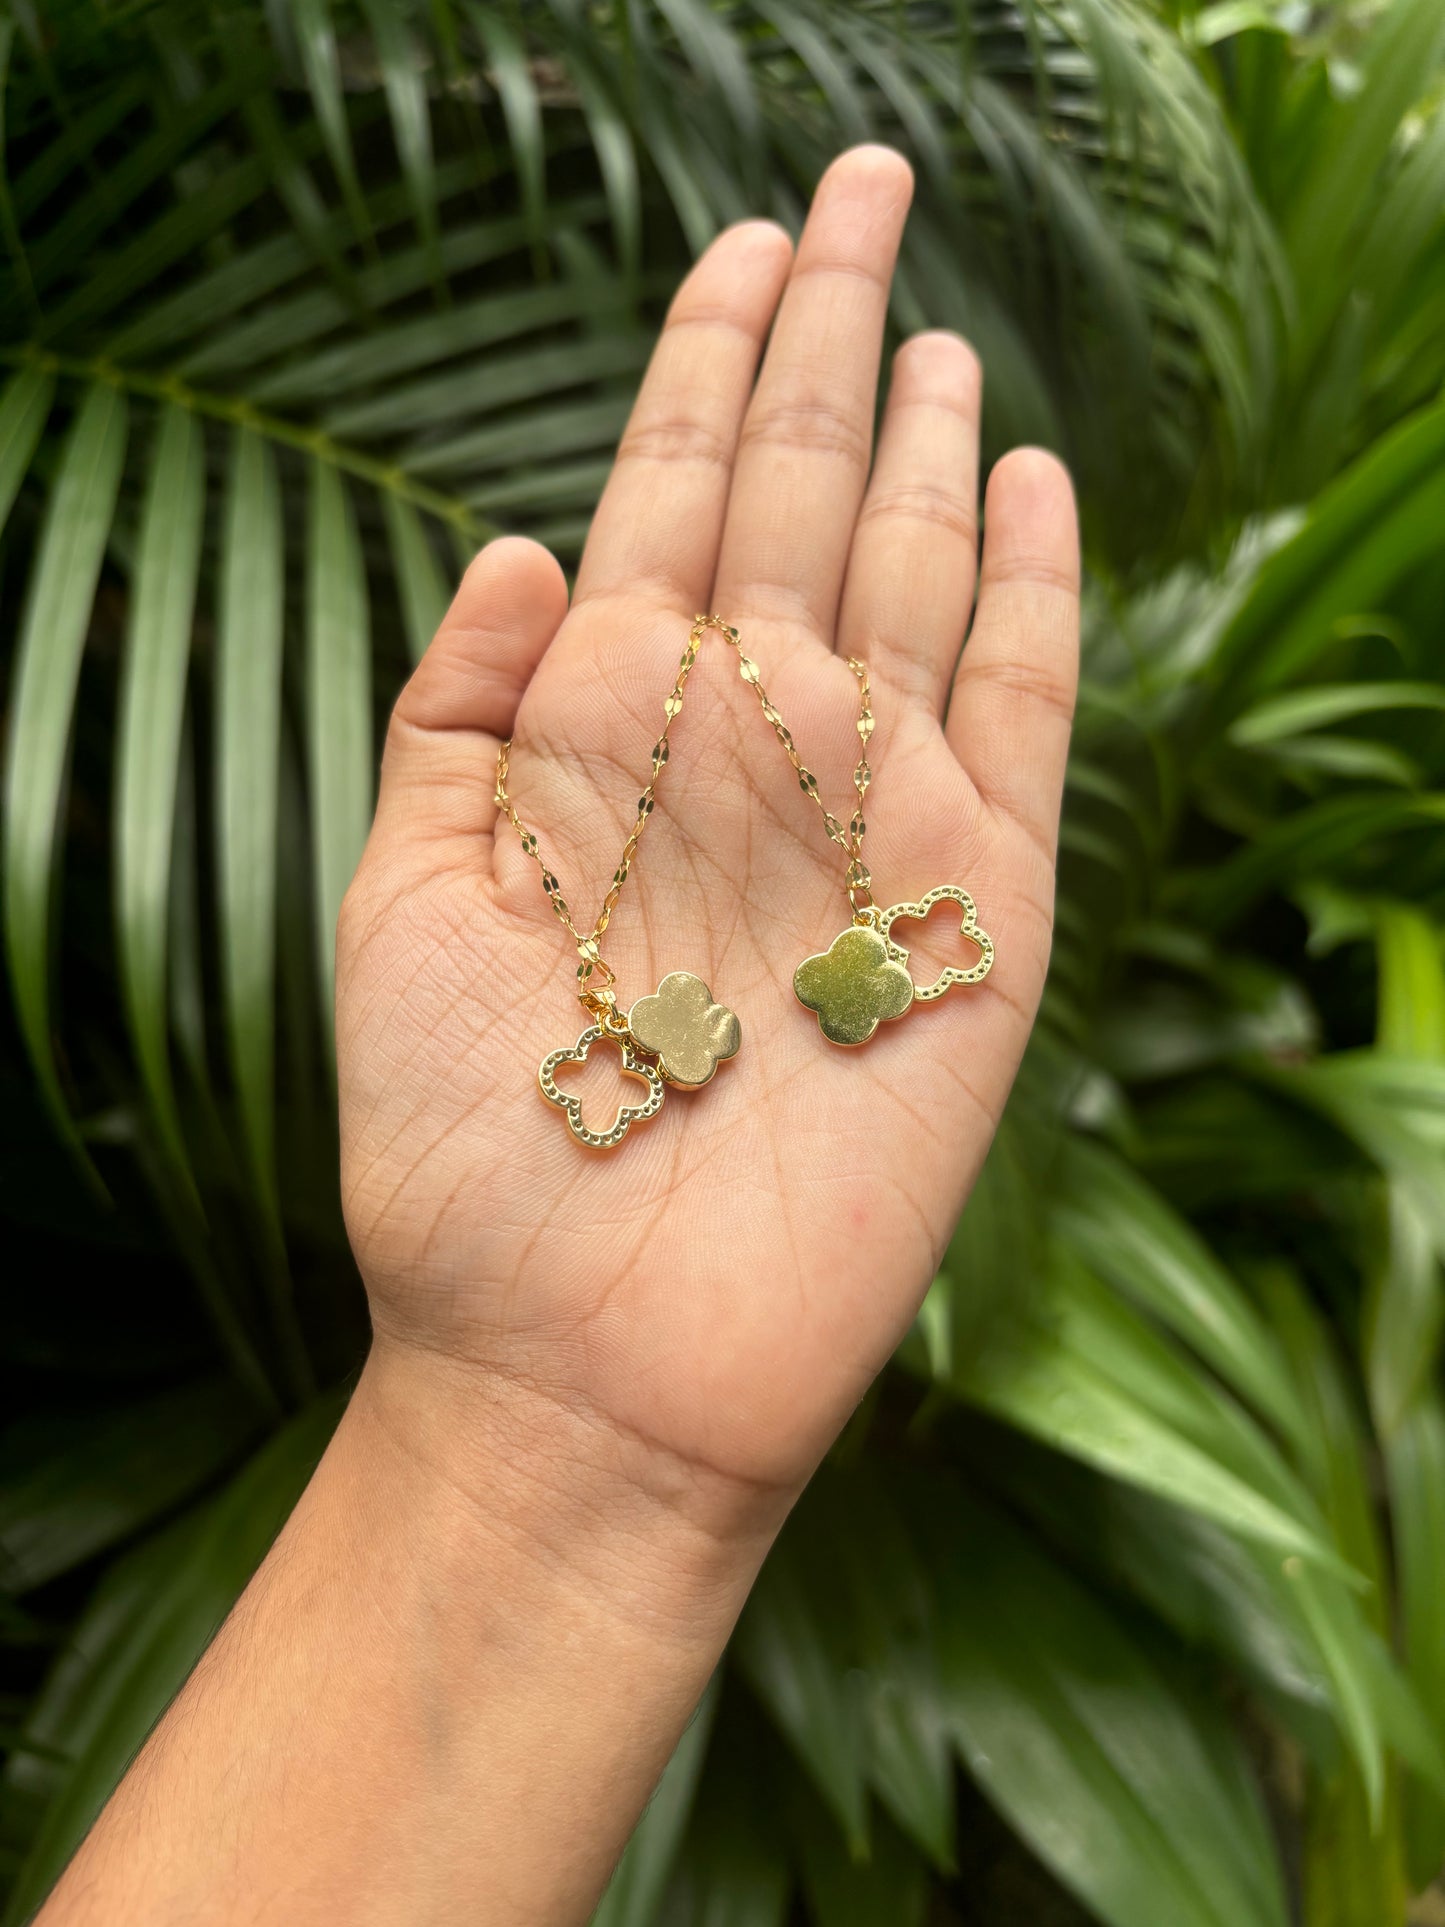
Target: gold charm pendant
968,927
862,979
856,984
630,1114
682,1027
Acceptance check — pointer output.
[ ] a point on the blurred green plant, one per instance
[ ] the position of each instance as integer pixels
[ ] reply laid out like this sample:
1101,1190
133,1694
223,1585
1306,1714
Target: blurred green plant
1140,1544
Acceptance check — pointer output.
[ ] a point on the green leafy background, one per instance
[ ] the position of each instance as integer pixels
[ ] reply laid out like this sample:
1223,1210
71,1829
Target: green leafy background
1121,1600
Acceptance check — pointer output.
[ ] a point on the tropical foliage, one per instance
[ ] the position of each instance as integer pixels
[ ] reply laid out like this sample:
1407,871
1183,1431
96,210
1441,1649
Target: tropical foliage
1122,1594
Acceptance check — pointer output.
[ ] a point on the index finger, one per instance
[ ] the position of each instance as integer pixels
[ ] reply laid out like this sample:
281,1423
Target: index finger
659,521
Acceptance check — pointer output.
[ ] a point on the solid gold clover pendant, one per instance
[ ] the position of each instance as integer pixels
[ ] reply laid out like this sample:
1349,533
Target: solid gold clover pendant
685,1030
855,985
571,1106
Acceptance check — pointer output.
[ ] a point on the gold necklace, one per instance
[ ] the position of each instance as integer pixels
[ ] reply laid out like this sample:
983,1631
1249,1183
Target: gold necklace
862,979
680,1034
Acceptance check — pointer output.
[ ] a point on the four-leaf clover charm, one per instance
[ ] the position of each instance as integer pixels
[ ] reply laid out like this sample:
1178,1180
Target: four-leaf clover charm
685,1030
853,986
968,926
571,1105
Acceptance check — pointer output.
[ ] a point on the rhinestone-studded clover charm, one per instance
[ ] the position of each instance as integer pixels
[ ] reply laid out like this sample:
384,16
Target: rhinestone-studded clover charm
685,1030
571,1106
968,927
853,986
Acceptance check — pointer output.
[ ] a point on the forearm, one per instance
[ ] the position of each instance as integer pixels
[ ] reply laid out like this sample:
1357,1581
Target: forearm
450,1688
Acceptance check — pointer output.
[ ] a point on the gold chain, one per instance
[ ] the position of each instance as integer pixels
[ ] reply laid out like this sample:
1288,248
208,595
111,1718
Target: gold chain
598,996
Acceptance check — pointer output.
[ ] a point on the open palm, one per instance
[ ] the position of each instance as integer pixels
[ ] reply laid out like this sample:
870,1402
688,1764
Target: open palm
722,1286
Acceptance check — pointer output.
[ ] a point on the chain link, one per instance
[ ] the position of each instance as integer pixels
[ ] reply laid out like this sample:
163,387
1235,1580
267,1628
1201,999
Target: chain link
595,977
850,839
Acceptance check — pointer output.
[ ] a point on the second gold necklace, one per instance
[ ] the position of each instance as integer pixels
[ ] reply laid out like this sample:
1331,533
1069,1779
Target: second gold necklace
862,979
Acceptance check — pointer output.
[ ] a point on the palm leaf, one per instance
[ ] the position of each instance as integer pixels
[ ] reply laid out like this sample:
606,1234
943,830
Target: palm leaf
52,638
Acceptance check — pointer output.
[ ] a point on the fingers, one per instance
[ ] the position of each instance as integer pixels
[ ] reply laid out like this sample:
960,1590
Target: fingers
659,521
802,458
438,769
911,572
1013,698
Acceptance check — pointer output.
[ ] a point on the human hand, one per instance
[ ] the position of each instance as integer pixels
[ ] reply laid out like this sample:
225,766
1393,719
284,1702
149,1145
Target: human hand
711,1299
598,1382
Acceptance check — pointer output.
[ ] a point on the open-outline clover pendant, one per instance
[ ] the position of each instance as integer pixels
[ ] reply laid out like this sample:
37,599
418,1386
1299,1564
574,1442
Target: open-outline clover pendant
571,1105
968,927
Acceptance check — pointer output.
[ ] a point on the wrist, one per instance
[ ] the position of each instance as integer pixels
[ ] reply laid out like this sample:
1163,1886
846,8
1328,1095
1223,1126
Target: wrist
501,1470
475,1623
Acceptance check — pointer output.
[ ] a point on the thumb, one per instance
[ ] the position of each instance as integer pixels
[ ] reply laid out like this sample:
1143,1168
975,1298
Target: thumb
439,765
